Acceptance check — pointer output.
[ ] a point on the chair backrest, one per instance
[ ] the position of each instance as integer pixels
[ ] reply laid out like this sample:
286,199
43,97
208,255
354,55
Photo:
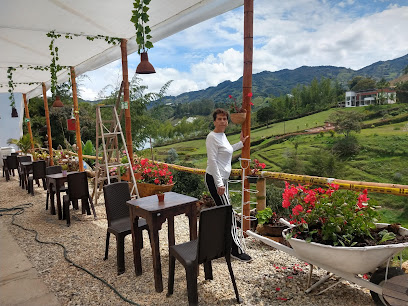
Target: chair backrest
116,195
78,186
23,159
12,162
214,236
39,169
53,169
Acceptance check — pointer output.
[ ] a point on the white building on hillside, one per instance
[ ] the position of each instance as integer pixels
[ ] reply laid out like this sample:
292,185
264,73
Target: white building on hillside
370,97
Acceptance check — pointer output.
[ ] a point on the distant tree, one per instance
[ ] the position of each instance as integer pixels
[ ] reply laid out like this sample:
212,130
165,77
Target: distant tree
406,69
402,92
383,83
264,115
359,83
346,122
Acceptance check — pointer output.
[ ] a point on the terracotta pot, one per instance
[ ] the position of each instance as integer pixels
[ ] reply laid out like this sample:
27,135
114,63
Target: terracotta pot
238,118
146,189
160,196
270,229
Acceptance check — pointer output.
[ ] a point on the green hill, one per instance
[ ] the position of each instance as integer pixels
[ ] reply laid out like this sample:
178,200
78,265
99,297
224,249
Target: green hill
281,82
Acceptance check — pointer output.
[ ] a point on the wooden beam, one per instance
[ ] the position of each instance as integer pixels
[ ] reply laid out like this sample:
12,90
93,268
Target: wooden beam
47,119
77,125
246,98
128,124
27,114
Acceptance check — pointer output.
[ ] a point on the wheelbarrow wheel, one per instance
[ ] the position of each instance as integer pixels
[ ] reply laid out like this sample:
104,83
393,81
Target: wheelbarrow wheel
378,278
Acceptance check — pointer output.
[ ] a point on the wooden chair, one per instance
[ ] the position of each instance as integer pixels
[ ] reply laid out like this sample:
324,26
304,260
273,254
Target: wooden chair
117,213
214,241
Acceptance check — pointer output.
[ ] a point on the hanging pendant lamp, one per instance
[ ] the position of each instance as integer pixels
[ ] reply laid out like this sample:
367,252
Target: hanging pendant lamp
145,67
57,102
14,112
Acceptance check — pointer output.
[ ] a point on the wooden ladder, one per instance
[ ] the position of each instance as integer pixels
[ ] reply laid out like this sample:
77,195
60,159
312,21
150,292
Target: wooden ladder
111,153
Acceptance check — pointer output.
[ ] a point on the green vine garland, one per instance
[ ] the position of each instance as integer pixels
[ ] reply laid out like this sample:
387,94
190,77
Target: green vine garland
139,18
54,66
11,85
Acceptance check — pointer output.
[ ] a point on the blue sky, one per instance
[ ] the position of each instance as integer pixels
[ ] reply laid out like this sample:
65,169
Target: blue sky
287,34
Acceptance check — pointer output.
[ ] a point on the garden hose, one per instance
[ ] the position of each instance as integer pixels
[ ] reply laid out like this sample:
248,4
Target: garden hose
20,210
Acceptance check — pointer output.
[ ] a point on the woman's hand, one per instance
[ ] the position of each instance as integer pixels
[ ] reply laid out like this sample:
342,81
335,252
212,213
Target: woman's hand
220,190
242,138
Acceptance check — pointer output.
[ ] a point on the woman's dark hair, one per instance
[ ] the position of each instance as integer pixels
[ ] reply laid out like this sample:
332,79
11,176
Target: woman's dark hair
220,111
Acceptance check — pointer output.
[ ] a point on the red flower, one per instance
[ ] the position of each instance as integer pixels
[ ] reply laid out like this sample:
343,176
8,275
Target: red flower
250,94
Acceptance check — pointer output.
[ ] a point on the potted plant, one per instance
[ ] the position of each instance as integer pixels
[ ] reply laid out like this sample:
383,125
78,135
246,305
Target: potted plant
269,223
338,228
160,196
139,18
154,177
237,112
254,171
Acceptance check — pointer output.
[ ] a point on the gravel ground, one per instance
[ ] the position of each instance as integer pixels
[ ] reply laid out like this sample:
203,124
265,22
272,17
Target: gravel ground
272,278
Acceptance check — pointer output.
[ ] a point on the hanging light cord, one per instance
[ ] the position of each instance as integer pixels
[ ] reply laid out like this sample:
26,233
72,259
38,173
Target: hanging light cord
19,209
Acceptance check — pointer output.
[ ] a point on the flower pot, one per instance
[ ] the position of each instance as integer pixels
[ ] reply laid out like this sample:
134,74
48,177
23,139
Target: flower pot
238,118
160,196
271,229
355,260
146,189
252,179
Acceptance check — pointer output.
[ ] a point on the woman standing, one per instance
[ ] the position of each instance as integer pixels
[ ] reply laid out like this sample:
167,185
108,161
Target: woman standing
219,155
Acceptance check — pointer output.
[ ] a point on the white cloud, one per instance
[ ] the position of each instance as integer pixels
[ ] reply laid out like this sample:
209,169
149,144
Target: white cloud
287,34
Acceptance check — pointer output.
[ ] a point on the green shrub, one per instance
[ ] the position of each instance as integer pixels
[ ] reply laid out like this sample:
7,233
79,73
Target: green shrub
346,146
172,156
322,163
274,200
188,183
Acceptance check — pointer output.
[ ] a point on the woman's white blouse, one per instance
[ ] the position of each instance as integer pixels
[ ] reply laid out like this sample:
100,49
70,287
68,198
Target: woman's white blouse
219,155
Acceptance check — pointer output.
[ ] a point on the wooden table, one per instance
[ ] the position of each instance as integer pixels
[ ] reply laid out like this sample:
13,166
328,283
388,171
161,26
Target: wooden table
26,167
156,213
57,180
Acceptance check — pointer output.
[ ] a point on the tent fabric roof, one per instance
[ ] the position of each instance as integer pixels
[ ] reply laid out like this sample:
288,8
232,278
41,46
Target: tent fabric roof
24,25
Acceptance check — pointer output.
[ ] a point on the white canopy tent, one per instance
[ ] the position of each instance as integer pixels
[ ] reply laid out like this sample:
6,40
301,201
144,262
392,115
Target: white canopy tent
24,25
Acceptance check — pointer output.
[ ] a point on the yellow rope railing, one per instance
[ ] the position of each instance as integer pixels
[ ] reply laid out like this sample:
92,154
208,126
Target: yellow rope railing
395,189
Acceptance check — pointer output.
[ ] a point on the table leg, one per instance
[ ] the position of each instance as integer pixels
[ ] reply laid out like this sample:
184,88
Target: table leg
52,204
170,222
192,220
59,203
136,235
154,241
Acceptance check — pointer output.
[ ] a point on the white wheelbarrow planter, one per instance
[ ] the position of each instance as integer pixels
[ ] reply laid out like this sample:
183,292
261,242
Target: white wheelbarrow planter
345,262
356,260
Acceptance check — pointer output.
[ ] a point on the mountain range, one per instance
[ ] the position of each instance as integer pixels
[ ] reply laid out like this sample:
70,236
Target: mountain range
281,82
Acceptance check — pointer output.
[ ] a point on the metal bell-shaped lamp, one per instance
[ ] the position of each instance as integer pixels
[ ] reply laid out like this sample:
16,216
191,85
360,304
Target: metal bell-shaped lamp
144,66
57,102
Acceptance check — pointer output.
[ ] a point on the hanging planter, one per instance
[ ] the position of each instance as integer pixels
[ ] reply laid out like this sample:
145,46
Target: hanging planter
139,18
238,118
252,179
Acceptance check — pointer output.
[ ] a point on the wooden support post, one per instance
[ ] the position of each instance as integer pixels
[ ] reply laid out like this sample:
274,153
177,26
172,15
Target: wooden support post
246,90
261,195
77,125
47,119
126,99
27,114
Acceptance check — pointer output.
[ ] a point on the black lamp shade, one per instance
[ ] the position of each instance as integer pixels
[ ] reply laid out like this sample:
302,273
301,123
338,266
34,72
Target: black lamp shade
14,112
145,67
